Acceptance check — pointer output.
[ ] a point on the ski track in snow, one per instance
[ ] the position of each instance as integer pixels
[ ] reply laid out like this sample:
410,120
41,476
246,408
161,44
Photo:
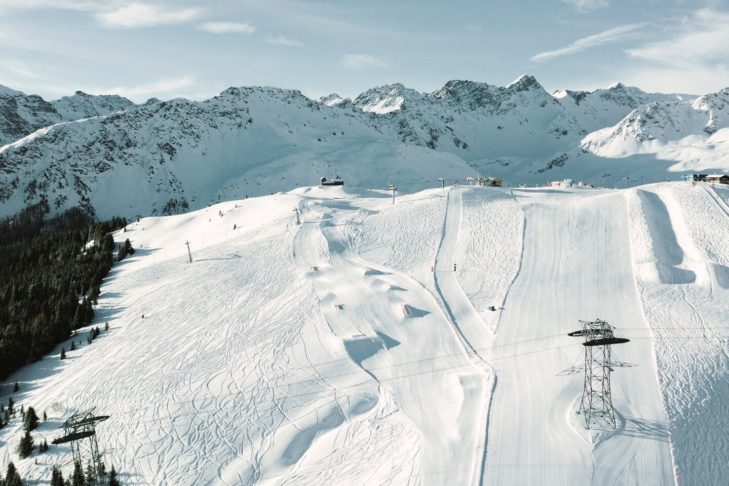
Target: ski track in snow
398,319
347,350
575,265
687,310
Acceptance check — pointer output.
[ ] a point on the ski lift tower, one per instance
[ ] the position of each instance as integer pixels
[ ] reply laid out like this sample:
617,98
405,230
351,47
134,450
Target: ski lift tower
80,431
392,188
597,401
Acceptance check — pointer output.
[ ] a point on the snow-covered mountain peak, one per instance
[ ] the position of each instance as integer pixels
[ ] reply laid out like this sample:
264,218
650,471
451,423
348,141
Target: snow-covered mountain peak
243,94
525,82
677,129
83,105
333,99
386,99
22,114
709,101
470,93
5,91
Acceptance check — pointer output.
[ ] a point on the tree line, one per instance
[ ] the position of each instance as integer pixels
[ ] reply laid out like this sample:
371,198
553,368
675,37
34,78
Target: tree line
49,279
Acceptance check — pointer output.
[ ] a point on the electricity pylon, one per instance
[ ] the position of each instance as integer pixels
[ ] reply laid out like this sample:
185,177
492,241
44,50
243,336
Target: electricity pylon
597,401
82,426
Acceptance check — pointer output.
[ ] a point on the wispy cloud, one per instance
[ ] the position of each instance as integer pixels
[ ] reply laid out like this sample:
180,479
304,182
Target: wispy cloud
162,88
702,38
280,40
79,5
587,4
579,45
135,15
228,27
21,71
693,56
362,61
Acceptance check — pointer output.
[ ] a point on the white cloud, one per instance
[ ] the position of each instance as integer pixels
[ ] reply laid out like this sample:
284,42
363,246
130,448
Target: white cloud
693,58
579,45
703,39
20,70
588,4
79,5
281,40
362,61
135,15
228,27
162,88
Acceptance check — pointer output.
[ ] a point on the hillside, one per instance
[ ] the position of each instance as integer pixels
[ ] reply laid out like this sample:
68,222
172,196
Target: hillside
330,353
166,157
22,114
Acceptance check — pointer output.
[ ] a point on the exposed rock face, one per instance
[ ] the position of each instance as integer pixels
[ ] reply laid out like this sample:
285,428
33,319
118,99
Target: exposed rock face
165,156
22,114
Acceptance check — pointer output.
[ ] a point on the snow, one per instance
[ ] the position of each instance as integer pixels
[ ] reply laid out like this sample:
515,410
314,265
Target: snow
347,350
261,140
82,105
575,265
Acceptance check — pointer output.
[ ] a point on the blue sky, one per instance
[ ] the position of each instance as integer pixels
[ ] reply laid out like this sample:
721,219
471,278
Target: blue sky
196,49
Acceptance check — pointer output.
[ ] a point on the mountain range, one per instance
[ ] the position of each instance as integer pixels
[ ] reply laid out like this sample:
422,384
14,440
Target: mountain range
114,157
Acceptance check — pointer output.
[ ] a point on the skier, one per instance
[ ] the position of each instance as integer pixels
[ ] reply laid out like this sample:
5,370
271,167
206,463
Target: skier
454,267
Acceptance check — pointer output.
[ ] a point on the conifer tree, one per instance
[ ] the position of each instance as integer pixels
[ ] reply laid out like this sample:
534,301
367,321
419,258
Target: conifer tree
128,247
113,481
11,404
16,387
56,477
45,416
31,420
12,478
78,475
63,352
25,448
90,474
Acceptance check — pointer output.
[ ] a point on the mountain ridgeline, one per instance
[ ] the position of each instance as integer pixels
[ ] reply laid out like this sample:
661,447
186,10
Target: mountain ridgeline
109,156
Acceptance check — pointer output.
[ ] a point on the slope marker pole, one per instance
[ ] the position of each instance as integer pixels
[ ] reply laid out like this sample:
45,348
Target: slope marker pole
189,254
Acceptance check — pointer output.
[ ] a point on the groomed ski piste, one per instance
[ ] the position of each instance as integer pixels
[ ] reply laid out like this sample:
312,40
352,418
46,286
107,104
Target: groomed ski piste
358,347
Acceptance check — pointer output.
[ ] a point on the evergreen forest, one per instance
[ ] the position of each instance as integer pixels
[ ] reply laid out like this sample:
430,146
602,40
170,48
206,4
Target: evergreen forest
50,275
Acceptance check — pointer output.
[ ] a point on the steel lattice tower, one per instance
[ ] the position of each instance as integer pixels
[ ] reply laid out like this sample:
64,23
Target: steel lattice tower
597,402
82,426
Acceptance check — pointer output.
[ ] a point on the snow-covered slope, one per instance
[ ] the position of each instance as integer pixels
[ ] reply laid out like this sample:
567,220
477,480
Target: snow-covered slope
347,350
386,99
21,114
182,154
82,105
333,100
475,120
168,156
606,107
650,127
